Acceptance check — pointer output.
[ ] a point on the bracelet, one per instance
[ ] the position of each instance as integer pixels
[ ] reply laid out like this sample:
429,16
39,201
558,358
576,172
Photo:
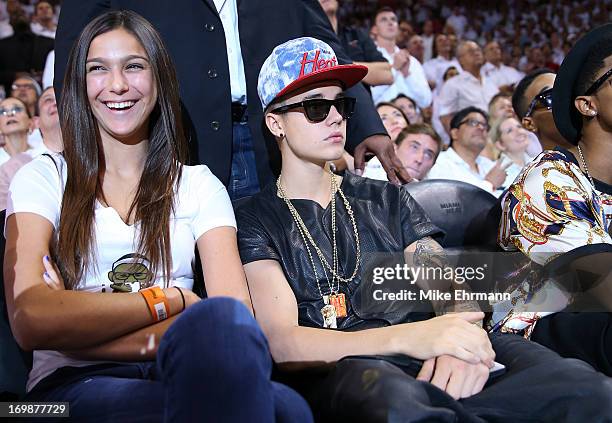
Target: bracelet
182,296
157,302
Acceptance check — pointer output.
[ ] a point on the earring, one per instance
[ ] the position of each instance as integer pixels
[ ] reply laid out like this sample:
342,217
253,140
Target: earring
282,135
592,112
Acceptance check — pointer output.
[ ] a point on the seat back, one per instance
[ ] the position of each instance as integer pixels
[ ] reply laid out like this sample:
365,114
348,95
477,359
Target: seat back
14,363
467,214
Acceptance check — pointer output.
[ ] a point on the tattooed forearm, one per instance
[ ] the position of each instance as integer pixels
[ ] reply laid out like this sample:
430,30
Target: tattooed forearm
428,253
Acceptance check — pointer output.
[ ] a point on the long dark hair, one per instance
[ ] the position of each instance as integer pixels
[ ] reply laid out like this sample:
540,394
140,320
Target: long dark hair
154,200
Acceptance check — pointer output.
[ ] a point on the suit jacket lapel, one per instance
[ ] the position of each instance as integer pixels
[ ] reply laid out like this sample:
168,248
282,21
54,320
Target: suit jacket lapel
211,4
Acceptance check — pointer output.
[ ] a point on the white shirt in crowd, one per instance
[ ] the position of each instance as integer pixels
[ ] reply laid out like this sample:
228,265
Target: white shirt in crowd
465,90
202,203
450,165
436,123
228,12
38,29
458,22
502,75
375,170
6,30
513,170
428,43
435,68
37,147
47,78
414,85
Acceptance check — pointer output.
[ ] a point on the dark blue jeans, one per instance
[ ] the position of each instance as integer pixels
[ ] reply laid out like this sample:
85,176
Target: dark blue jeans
213,365
244,181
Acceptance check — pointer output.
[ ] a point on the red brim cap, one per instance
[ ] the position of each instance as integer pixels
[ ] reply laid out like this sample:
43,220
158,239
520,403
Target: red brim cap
347,75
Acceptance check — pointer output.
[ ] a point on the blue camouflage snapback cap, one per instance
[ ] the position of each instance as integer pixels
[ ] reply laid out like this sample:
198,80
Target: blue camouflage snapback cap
301,62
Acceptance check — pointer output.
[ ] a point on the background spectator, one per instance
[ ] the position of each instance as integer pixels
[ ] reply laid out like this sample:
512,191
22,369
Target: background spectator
469,88
23,51
462,161
511,141
409,76
532,103
417,146
43,20
393,118
410,109
360,47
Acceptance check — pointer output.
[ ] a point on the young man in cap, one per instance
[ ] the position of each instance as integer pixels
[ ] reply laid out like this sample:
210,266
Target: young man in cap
304,243
558,211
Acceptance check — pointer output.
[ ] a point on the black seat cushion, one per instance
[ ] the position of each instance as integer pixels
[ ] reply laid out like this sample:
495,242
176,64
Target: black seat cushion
467,214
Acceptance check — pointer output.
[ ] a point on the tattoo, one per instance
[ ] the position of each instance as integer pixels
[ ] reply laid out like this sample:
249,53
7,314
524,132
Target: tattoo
428,253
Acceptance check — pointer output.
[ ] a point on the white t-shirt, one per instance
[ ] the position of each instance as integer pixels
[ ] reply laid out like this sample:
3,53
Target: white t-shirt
202,204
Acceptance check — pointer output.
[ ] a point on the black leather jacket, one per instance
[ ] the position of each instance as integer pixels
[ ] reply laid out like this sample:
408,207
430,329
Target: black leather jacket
388,220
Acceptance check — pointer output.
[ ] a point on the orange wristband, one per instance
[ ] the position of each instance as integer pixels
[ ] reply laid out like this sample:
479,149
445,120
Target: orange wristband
157,302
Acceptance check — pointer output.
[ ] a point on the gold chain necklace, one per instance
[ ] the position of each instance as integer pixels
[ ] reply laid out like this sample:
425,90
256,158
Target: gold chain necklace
334,285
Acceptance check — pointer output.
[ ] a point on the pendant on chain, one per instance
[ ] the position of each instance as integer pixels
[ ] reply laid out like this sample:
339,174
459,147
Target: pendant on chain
329,316
339,303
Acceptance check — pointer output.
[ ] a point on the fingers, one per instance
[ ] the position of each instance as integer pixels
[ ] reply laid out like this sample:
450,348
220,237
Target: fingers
402,174
475,340
458,377
464,354
50,282
475,379
484,349
480,382
441,375
427,370
390,167
476,344
51,275
359,156
396,173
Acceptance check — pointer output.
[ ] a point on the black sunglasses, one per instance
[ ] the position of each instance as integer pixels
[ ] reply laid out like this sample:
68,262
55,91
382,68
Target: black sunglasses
597,84
544,98
317,109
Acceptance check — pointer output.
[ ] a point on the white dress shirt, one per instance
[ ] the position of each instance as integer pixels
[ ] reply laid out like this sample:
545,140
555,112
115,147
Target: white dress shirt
465,90
228,12
502,75
428,42
450,165
47,78
38,29
414,85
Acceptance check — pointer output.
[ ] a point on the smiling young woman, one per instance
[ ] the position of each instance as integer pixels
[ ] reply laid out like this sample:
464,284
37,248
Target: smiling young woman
120,212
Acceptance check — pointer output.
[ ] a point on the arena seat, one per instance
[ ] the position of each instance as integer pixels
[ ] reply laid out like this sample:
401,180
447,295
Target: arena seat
14,363
467,214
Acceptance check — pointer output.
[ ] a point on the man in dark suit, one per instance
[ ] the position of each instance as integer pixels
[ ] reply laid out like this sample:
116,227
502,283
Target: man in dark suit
23,52
203,44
